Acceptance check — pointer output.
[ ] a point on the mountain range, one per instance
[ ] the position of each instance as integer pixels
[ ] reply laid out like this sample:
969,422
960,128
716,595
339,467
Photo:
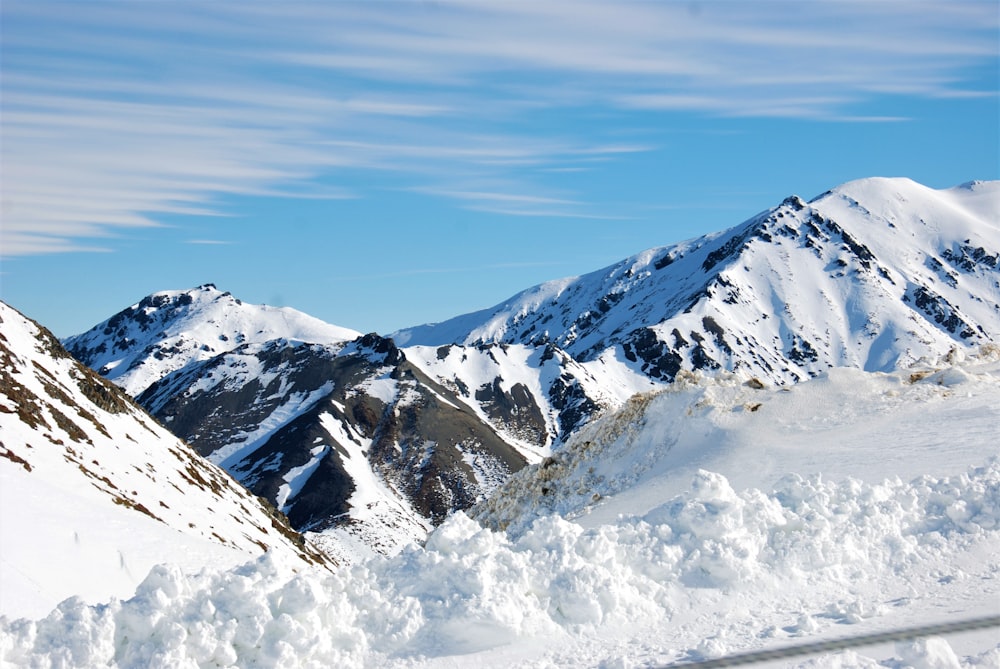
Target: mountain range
365,441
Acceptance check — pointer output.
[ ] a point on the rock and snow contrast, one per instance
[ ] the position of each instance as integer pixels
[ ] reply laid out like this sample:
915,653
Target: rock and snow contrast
783,431
363,445
875,524
873,274
94,492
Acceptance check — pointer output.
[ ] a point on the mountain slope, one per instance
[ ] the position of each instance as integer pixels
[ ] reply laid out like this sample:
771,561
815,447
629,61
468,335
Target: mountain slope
96,491
349,440
845,422
354,440
875,273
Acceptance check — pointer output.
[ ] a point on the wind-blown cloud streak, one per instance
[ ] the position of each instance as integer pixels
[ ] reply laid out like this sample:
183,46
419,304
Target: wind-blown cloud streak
116,114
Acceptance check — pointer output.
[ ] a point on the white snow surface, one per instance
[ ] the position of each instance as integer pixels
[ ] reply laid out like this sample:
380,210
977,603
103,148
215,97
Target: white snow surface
91,500
854,503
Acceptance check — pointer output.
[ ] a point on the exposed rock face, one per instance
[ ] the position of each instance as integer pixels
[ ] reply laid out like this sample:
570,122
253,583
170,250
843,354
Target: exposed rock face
294,421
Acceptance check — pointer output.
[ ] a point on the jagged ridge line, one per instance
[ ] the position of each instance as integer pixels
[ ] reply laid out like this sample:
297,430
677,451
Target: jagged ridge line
841,643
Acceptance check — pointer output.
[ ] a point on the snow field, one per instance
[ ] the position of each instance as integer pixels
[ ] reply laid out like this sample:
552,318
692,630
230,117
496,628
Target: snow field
812,553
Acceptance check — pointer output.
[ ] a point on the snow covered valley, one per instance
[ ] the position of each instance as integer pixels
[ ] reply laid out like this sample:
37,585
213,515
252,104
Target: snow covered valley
710,518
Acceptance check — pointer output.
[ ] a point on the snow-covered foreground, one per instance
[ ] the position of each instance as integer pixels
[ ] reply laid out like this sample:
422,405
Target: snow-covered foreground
705,573
761,560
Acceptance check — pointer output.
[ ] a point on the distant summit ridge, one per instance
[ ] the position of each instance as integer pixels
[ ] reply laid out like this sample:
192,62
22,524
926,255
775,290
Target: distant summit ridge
870,274
171,329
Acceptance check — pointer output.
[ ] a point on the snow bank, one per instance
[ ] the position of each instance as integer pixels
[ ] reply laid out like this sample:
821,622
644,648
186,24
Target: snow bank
471,589
847,423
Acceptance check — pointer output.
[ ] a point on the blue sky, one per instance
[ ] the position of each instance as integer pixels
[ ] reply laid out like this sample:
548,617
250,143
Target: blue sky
380,165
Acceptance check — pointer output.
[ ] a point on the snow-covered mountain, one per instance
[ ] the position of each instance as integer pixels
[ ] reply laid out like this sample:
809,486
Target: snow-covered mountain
822,463
873,274
374,439
95,492
359,443
349,440
171,330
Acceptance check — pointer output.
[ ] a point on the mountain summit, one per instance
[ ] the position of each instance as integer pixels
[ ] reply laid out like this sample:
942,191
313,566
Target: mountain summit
170,330
875,273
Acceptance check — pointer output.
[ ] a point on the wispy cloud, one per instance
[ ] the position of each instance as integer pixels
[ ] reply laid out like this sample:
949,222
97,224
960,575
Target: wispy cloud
116,114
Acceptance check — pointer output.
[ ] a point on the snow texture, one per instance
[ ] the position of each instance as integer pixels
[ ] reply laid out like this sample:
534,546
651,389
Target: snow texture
714,569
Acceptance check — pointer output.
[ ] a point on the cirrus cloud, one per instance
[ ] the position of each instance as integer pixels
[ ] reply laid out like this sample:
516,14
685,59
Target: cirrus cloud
116,114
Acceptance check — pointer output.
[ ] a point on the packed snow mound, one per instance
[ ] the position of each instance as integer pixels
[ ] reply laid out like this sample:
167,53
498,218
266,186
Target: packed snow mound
168,331
941,413
813,553
93,491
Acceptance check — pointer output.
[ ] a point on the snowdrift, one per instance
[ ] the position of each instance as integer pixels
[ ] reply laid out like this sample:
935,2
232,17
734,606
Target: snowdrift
727,569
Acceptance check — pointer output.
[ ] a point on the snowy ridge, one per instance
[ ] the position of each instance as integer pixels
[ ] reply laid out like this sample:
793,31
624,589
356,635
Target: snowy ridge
350,440
874,274
170,330
521,390
95,492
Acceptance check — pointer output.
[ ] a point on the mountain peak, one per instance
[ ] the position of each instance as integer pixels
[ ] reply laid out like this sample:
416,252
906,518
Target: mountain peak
870,274
168,330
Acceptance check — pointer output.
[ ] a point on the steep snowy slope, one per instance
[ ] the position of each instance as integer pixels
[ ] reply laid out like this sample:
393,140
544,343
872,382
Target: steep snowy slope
171,330
875,273
95,492
784,552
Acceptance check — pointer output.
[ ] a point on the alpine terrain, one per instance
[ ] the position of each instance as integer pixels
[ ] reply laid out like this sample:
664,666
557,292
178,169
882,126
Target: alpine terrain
362,445
783,433
94,491
371,440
